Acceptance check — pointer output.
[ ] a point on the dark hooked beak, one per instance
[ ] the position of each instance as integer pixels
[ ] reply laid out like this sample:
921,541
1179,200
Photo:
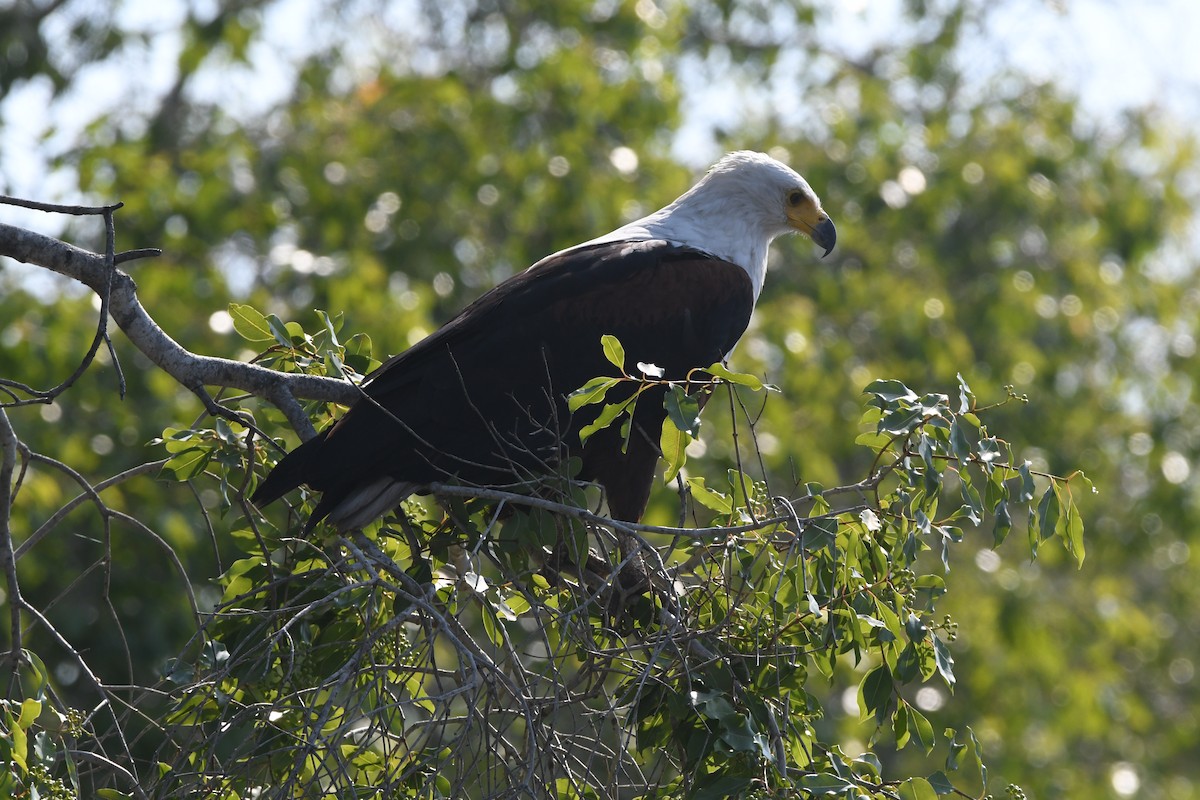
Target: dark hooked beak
825,235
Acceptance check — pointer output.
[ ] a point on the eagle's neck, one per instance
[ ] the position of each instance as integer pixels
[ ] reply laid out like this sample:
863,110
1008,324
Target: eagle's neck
713,222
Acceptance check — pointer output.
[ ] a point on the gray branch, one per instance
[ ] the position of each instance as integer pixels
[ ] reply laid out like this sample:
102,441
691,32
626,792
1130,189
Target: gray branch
195,372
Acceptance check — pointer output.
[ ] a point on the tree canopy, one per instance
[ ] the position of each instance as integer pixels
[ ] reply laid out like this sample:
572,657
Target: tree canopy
997,247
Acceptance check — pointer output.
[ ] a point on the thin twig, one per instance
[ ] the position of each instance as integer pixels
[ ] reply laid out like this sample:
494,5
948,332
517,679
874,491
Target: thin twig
55,208
91,493
8,559
574,512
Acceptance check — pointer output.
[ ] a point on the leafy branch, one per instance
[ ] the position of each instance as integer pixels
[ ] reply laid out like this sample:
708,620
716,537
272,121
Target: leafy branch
445,651
711,685
683,401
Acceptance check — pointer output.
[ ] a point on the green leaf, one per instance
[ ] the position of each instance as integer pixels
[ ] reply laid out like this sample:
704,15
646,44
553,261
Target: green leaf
954,759
722,787
627,427
971,502
908,667
331,326
824,783
112,794
713,705
605,418
591,392
357,354
873,439
917,789
19,748
990,451
45,748
1048,514
189,463
869,764
741,486
955,755
941,783
977,756
250,323
816,491
213,654
492,627
673,443
737,732
709,498
30,709
934,405
959,443
901,420
40,676
889,391
683,410
932,478
931,584
890,620
517,604
966,398
945,663
279,331
875,693
1027,488
921,729
1003,524
613,351
819,534
1073,530
900,726
719,370
334,365
177,441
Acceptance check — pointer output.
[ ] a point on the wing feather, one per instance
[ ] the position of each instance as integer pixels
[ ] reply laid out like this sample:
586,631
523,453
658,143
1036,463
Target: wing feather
482,399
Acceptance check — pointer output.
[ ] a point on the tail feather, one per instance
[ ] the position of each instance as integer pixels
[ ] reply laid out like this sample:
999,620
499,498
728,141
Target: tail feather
292,470
361,505
347,504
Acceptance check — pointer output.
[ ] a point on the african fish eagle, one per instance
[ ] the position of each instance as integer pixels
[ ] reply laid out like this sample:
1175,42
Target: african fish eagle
483,400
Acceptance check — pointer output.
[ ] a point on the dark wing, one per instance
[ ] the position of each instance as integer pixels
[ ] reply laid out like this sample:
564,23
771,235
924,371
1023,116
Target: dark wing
482,400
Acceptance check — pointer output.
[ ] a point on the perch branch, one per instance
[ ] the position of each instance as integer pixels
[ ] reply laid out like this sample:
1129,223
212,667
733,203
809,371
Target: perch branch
582,514
99,273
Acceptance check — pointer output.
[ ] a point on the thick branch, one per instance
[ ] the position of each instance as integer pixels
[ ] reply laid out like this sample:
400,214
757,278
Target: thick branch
191,370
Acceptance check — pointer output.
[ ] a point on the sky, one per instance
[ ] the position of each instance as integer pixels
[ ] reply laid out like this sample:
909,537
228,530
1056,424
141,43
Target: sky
1114,54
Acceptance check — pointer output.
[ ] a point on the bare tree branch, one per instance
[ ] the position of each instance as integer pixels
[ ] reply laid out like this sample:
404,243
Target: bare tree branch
575,512
90,493
8,560
191,370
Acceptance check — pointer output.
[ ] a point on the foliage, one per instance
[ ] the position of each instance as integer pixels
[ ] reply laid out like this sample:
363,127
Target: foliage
988,229
367,652
33,736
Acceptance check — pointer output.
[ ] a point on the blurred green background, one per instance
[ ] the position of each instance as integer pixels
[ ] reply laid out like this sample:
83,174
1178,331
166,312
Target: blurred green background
393,160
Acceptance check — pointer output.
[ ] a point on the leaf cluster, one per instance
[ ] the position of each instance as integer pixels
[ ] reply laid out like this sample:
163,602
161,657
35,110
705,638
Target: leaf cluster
708,685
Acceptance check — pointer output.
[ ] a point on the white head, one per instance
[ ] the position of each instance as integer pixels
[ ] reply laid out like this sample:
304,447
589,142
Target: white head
735,211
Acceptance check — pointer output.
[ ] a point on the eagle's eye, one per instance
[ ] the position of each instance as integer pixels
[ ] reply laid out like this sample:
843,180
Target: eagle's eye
795,197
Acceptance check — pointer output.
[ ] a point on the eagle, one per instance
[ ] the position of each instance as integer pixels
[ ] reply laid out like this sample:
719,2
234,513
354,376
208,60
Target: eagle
484,399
